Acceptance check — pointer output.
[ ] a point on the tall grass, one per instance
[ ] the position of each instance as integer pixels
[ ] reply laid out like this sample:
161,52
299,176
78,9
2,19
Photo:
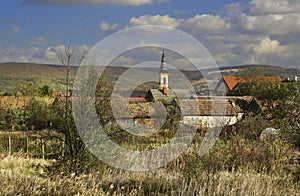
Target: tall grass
235,167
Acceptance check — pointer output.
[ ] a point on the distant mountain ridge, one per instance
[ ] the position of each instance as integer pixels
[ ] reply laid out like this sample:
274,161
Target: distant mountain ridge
14,73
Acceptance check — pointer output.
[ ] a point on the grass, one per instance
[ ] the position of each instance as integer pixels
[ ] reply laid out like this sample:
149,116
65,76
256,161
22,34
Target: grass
19,165
187,175
156,183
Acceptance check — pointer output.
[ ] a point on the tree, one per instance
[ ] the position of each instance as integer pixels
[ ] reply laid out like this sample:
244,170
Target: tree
267,91
45,90
287,114
76,150
37,114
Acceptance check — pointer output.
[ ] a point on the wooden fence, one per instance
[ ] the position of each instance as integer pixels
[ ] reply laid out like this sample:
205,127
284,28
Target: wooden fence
38,144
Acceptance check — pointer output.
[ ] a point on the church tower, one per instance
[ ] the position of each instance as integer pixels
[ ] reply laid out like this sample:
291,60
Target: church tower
163,75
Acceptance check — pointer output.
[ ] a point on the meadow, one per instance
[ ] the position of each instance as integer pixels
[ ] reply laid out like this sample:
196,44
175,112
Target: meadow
234,166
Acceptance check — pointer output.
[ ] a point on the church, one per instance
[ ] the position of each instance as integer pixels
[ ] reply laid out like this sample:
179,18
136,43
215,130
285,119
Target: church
202,112
162,93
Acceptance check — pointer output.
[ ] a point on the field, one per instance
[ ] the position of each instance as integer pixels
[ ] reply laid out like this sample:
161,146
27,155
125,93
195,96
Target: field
233,167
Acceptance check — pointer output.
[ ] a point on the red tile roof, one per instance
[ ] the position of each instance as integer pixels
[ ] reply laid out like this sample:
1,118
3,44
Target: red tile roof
61,94
232,81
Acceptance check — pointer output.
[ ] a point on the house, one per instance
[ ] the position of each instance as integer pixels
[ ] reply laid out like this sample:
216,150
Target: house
62,94
289,80
229,84
147,114
209,112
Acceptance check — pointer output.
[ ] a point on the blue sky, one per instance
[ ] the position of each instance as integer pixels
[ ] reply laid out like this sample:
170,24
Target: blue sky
235,32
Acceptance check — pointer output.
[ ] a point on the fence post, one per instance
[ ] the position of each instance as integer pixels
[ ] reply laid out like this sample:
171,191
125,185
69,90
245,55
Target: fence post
27,146
63,149
43,149
9,146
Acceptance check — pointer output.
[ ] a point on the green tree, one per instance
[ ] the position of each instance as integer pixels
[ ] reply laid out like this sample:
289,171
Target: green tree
45,90
287,114
37,114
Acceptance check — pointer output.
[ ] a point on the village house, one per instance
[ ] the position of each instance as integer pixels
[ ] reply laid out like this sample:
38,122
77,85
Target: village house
202,112
209,112
230,84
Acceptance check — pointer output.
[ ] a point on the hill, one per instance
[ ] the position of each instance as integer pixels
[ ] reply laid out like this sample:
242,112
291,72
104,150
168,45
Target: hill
12,75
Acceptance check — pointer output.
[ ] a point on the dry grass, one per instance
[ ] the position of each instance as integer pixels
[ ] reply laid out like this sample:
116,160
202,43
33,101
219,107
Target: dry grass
21,166
114,182
22,176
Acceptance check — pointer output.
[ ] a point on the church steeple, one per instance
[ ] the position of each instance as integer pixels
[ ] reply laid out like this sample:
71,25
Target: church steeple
163,65
163,74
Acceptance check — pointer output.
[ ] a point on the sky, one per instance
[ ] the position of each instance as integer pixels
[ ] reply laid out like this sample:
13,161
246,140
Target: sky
235,32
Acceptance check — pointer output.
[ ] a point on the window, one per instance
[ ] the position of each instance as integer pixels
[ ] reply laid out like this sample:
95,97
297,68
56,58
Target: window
165,80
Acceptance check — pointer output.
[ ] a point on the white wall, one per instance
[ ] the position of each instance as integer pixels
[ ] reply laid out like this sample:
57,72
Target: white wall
211,121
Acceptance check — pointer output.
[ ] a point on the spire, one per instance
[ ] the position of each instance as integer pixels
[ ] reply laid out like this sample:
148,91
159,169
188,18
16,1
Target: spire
163,75
163,65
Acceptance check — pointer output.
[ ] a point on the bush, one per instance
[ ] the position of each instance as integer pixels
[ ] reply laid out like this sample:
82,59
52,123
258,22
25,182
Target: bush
238,153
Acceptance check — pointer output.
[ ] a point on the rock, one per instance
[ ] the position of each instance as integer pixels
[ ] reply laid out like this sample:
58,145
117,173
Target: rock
268,134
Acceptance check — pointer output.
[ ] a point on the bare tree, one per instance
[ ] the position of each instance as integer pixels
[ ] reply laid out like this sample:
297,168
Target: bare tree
75,147
69,58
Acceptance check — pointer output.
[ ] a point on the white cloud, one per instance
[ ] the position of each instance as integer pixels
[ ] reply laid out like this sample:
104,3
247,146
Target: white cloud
273,24
205,22
16,29
52,52
86,2
15,53
195,24
267,46
274,6
35,54
107,27
165,20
